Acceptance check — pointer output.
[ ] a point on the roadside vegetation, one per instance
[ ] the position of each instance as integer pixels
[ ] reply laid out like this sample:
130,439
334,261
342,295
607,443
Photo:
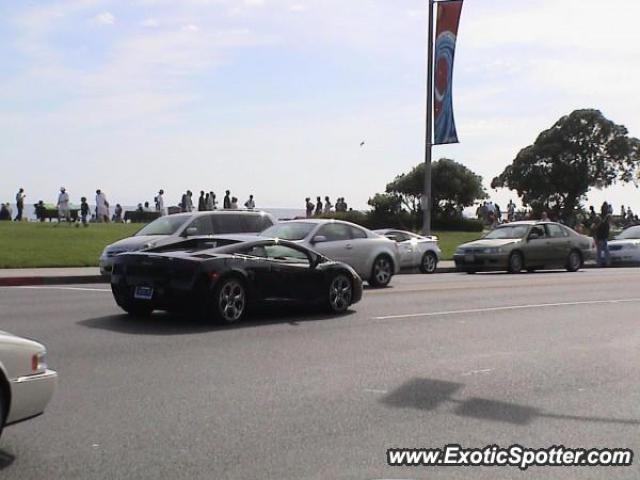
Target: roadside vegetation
33,245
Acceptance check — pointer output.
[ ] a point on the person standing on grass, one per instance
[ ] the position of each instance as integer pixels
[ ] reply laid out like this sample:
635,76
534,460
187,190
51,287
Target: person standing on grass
234,203
202,202
20,204
63,206
211,202
226,201
318,211
309,207
102,207
84,212
189,201
160,202
327,205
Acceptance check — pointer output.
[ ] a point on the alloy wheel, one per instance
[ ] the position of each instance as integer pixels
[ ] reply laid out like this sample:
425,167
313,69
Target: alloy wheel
231,301
429,263
340,293
382,271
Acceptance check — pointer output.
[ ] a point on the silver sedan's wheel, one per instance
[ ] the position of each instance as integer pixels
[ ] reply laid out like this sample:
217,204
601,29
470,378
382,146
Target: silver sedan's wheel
429,263
382,271
231,300
340,293
574,261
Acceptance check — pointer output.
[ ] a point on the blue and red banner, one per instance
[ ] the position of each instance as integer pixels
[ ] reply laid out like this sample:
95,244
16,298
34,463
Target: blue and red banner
444,50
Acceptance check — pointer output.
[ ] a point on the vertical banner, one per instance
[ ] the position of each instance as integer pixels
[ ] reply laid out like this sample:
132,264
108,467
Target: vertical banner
445,47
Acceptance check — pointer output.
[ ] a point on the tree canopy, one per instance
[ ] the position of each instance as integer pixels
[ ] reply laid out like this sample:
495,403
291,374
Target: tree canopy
453,187
581,150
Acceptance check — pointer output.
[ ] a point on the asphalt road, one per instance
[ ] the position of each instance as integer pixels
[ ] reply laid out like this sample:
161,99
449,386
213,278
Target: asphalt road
535,359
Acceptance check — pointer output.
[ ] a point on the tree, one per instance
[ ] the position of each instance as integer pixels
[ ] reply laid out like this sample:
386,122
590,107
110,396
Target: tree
580,151
453,187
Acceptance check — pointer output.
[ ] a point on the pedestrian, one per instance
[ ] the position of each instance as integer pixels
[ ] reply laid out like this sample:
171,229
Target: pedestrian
189,201
117,214
39,209
604,209
84,212
102,207
250,204
544,217
511,211
318,211
202,202
602,240
327,205
5,213
183,202
211,202
20,204
160,202
234,203
63,206
226,201
309,206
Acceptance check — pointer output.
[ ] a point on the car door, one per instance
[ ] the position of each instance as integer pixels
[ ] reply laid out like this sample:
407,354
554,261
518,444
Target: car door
406,248
560,243
258,268
536,249
337,244
360,249
293,274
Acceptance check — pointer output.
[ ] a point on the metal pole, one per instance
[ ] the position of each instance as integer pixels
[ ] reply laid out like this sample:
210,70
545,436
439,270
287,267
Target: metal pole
426,200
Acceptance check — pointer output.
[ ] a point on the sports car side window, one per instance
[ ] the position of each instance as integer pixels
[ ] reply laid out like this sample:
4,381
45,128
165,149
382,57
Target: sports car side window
255,251
284,253
335,231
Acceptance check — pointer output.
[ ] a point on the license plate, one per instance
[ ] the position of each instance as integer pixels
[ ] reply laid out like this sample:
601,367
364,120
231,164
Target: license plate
469,258
143,293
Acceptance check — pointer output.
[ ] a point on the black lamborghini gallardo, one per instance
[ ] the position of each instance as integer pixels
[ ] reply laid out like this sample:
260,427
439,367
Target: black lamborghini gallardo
222,277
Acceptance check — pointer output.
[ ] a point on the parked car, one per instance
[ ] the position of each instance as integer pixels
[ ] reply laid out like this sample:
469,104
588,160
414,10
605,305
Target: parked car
26,384
169,228
530,245
224,281
625,247
415,250
374,257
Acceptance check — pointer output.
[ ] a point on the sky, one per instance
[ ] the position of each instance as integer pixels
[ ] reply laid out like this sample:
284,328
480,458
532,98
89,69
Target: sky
274,97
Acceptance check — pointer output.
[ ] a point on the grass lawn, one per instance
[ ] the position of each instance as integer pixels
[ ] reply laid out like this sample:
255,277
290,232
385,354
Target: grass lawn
31,245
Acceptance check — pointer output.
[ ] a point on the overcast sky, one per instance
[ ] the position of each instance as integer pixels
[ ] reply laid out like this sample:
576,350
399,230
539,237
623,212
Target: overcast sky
273,97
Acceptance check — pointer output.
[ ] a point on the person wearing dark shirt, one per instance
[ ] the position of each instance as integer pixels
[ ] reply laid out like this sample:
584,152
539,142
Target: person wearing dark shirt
310,206
226,202
84,211
602,241
202,202
318,206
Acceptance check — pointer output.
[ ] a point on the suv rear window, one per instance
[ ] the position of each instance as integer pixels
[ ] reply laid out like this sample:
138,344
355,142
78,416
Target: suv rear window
240,223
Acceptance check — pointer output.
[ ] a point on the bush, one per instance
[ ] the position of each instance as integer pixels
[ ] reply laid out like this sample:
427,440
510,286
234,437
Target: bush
457,224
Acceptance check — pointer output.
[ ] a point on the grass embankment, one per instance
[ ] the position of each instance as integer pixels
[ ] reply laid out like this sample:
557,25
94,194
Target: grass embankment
32,245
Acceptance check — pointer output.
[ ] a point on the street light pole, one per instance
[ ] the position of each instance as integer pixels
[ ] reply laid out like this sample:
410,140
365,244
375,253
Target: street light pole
426,199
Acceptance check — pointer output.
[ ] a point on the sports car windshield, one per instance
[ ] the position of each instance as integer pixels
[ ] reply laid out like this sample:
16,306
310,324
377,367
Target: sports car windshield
630,233
289,231
511,231
167,225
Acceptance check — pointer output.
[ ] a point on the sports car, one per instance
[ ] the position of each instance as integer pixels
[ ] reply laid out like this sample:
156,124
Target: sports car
221,277
415,250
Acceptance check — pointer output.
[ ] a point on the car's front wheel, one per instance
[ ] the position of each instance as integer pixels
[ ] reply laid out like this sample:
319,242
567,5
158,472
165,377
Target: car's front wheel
340,293
230,301
381,272
516,262
429,263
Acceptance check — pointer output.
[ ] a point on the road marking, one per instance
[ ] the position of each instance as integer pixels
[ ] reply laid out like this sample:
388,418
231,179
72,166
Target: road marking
78,289
475,372
505,308
375,390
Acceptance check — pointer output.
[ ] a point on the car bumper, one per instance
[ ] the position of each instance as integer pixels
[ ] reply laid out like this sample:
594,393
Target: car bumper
30,395
106,265
481,262
625,256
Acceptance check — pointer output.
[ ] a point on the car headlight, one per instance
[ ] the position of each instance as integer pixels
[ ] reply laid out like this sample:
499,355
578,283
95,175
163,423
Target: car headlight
493,250
38,363
459,251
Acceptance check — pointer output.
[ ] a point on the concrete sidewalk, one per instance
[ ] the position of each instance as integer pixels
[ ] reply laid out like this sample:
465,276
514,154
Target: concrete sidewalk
11,277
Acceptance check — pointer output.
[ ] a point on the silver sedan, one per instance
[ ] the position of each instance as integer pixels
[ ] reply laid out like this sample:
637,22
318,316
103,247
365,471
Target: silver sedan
374,257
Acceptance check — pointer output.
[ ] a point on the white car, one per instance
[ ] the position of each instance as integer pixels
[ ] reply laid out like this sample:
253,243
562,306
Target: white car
26,384
374,257
170,228
415,250
625,248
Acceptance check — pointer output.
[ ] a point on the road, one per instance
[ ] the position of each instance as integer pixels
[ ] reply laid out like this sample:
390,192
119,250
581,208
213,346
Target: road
536,359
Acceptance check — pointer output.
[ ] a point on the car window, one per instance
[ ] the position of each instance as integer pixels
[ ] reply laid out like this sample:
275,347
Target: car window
397,236
289,230
255,223
228,223
357,232
165,225
202,225
538,231
556,231
630,233
335,231
285,254
508,231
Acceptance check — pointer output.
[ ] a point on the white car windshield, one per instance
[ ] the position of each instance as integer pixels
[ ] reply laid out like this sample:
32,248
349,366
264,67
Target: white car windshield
630,234
289,230
167,225
508,231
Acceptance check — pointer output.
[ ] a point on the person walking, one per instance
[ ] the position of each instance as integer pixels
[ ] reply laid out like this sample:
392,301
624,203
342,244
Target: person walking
102,207
63,206
602,231
327,205
20,204
309,206
202,202
84,212
160,202
250,204
318,211
226,201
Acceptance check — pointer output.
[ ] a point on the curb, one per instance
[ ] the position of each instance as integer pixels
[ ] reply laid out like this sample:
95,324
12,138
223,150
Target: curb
62,280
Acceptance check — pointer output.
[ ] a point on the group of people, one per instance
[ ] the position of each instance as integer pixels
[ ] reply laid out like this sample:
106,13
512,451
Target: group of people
207,201
318,208
490,214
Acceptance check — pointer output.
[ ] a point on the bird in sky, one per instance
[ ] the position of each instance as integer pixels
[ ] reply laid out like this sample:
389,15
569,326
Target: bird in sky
362,143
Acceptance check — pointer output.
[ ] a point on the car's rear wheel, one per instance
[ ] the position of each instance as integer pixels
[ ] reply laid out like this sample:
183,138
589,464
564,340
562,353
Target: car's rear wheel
574,261
230,300
381,272
340,293
516,262
429,263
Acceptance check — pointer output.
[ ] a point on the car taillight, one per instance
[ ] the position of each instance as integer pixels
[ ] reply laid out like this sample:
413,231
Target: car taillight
34,363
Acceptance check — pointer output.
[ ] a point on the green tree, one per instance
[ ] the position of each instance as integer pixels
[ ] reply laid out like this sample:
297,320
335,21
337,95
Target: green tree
453,187
580,151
